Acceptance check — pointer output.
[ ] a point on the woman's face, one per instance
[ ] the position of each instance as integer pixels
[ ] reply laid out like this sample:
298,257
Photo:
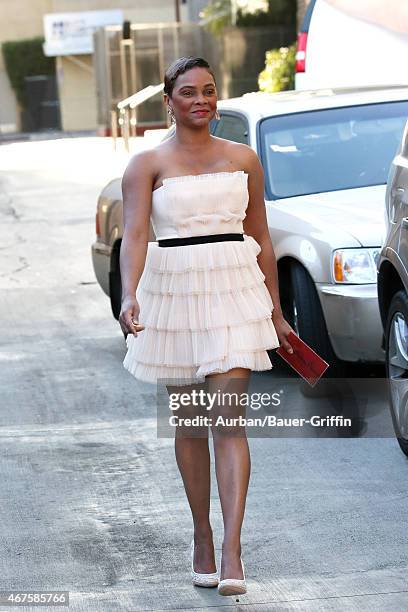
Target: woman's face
194,97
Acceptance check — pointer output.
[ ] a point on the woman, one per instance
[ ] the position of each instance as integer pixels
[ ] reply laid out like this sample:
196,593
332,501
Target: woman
195,304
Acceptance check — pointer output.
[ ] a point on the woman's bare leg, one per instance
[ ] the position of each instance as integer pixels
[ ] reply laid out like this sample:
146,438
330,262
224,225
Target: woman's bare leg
193,460
233,467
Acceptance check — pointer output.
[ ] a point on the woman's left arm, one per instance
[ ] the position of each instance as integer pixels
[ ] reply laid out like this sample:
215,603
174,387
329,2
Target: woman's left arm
256,225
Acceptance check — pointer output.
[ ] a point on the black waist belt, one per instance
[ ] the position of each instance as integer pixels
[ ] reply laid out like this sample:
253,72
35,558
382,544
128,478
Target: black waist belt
169,242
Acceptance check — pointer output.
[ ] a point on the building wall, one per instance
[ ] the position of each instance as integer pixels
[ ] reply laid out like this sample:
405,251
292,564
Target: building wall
21,19
76,86
139,11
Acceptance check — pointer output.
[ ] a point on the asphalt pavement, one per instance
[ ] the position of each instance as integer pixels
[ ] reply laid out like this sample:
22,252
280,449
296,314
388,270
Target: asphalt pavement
91,499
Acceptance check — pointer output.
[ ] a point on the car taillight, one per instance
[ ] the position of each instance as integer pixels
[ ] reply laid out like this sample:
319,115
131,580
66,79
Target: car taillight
301,52
97,226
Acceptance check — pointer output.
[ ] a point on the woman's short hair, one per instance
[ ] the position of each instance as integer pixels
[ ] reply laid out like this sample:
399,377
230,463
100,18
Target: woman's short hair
180,66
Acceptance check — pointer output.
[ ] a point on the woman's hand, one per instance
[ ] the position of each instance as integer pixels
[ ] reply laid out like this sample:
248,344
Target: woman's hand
283,330
129,316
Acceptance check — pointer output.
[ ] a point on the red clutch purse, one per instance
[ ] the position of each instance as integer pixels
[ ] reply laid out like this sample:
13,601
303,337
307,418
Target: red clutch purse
304,360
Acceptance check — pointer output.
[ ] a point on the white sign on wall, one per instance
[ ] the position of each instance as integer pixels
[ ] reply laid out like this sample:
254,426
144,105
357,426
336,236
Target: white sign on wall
72,33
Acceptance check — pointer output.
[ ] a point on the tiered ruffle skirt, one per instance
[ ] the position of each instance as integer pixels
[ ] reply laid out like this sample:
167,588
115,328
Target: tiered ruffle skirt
205,308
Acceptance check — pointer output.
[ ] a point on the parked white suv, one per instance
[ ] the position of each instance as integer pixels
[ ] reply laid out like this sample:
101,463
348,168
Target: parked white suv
343,43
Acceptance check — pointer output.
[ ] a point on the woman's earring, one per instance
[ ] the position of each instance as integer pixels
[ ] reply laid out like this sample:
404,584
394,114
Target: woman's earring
217,115
171,114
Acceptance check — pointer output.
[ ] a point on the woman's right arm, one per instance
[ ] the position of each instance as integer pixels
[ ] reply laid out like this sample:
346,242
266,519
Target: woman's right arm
137,185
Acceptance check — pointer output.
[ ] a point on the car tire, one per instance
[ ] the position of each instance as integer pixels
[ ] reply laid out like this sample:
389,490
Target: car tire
396,363
304,313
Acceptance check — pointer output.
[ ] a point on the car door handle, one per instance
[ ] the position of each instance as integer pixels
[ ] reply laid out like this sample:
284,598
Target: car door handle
405,223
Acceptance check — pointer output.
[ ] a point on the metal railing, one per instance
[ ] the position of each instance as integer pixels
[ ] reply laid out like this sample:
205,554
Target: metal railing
125,114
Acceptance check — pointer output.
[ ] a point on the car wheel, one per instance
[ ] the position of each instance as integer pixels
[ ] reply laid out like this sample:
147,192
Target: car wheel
396,362
304,313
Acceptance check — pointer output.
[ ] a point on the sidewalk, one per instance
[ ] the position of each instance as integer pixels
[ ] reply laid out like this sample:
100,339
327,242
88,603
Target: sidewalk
45,135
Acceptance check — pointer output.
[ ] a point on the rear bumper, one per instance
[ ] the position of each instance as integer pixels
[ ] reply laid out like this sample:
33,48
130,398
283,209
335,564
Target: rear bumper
101,260
353,321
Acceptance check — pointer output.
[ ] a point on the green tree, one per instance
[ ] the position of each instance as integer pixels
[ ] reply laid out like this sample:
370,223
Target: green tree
278,12
279,72
218,14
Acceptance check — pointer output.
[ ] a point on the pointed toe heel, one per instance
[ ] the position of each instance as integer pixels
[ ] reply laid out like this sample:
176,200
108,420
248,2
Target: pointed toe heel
203,580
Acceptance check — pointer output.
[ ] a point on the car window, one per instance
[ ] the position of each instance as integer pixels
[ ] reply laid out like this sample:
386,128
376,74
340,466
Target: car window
232,127
169,132
308,16
330,149
213,125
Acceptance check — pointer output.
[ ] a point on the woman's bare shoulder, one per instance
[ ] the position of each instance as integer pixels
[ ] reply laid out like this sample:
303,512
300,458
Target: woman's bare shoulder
140,159
141,166
241,155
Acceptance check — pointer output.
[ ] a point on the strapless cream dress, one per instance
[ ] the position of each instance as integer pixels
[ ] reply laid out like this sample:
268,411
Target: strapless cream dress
205,307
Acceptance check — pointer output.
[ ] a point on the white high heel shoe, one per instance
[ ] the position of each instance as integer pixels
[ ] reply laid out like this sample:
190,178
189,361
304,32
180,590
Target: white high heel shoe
233,586
204,580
